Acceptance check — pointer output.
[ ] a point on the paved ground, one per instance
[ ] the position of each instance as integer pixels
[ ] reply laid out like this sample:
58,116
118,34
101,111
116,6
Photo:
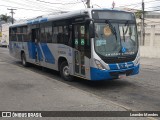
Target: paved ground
34,89
154,62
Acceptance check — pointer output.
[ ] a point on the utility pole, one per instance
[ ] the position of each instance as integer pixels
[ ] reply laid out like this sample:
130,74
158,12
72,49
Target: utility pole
12,14
88,4
113,5
142,25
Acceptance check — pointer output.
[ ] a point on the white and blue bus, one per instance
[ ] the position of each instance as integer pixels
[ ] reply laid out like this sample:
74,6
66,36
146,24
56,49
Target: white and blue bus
94,44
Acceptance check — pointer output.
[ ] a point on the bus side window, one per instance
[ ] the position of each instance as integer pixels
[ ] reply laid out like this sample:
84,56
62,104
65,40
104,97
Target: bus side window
43,37
65,35
60,35
19,34
48,33
55,33
70,36
25,38
14,31
87,41
87,38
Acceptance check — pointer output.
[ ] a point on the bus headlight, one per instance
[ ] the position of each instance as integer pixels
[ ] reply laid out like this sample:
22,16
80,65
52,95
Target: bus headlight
99,64
137,61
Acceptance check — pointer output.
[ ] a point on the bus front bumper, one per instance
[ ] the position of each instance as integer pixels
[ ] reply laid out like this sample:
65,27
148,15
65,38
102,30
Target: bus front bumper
97,74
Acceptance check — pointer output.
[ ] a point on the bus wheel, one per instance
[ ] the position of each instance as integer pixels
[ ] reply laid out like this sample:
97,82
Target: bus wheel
64,71
23,59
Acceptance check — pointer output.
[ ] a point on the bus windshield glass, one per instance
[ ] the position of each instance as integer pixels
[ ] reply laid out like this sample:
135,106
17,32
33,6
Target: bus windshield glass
115,39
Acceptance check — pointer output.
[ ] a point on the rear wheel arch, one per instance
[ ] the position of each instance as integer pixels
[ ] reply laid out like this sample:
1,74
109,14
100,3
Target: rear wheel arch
60,60
23,59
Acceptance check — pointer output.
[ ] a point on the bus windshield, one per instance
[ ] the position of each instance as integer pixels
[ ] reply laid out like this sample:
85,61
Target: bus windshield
115,39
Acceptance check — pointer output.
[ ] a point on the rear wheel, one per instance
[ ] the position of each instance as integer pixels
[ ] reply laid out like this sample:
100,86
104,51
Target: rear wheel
64,71
23,59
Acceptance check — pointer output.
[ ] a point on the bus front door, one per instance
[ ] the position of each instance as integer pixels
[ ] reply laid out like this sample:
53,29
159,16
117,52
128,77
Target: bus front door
36,48
79,45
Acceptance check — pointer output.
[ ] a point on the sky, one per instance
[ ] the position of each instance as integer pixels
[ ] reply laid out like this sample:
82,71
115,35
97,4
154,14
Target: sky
31,8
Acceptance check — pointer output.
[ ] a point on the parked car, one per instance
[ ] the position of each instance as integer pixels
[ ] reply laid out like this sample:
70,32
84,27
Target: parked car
3,44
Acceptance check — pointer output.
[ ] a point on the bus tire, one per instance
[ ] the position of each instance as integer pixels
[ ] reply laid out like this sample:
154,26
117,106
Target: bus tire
23,60
64,71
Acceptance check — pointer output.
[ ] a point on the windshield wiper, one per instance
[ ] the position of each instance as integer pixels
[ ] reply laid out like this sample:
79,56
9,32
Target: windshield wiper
112,28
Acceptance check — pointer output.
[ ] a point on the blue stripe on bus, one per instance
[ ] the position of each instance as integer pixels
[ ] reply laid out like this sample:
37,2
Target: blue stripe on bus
113,66
43,20
36,21
97,74
40,56
31,50
49,58
121,65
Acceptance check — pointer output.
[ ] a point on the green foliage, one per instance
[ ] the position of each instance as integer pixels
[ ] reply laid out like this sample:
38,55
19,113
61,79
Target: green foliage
5,18
139,14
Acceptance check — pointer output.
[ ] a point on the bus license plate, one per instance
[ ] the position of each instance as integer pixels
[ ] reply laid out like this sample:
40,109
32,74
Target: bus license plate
122,76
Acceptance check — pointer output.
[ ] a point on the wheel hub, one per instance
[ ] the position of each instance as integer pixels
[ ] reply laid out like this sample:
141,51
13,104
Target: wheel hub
23,60
66,71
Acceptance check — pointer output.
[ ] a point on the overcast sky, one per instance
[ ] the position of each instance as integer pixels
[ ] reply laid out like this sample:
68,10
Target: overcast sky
33,8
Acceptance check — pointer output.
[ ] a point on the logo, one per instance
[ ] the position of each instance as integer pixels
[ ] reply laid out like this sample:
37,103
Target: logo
123,50
123,65
6,114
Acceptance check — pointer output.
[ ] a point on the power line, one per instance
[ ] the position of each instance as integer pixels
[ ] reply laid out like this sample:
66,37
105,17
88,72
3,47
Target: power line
39,6
154,7
153,10
25,8
152,21
57,3
83,3
137,3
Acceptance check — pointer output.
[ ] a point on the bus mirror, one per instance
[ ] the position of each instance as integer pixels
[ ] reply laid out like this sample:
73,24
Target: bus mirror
91,30
90,22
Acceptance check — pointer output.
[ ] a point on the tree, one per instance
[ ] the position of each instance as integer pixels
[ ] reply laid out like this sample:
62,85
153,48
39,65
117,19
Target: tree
139,14
5,18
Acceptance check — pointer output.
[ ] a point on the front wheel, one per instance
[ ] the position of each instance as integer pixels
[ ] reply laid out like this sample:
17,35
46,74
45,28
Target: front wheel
64,71
23,59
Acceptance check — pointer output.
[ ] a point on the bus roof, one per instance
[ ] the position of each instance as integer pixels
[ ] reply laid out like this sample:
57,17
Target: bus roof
45,18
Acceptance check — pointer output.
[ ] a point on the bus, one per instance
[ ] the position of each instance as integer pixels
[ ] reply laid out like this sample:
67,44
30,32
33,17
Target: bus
93,44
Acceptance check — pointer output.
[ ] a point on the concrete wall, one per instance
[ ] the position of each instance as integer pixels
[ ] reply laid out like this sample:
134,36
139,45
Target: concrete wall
0,33
151,47
150,52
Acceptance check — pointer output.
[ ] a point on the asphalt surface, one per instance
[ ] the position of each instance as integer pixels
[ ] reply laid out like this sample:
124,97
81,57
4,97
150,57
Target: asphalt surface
141,92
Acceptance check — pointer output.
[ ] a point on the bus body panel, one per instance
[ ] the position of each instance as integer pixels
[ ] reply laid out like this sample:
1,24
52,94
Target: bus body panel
48,54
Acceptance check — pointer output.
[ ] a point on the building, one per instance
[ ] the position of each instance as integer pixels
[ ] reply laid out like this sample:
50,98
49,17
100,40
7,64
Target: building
5,33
